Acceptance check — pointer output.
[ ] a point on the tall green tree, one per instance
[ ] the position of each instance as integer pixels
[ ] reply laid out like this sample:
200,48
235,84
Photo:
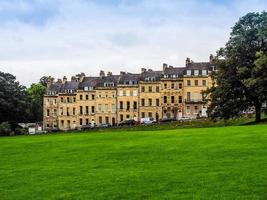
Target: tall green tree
36,92
14,101
241,72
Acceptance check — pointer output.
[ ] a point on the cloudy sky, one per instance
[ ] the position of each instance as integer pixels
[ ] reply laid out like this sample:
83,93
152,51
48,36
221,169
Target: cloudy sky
66,37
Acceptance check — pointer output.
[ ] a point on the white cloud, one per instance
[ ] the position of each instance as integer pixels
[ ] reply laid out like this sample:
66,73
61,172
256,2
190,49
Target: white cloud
86,36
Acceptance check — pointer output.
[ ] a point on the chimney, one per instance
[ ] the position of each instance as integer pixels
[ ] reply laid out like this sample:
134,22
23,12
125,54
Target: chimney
82,76
59,80
211,58
73,78
109,74
165,66
143,70
187,61
102,74
150,70
170,66
64,79
49,81
122,73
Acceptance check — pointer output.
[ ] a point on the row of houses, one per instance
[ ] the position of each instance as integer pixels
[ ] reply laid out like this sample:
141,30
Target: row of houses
168,93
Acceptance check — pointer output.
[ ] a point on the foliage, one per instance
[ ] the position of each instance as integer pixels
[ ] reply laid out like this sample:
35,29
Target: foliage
5,129
241,65
207,163
45,80
14,102
36,92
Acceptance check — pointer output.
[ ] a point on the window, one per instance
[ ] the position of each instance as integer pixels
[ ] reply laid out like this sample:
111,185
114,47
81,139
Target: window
204,95
73,111
150,89
172,86
196,109
165,99
99,108
196,82
120,93
128,105
135,105
121,117
187,109
143,115
172,99
128,93
86,88
68,113
87,97
107,120
188,83
150,114
86,110
61,99
68,123
121,105
47,112
93,97
81,97
196,72
92,109
180,99
62,123
100,119
55,112
81,110
204,82
127,116
157,88
74,99
87,121
188,96
188,72
204,72
106,108
157,102
113,108
81,122
165,86
195,96
180,85
143,89
149,102
61,111
135,93
68,99
142,102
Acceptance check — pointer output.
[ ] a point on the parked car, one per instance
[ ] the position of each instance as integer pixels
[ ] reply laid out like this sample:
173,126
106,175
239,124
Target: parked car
166,120
148,120
184,119
103,125
128,122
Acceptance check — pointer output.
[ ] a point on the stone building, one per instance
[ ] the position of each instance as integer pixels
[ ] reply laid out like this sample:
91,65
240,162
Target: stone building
170,93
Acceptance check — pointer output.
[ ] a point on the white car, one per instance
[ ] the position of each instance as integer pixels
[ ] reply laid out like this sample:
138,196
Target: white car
146,120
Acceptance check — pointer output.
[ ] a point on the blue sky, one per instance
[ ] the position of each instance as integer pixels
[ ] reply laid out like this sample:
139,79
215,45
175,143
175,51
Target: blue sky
65,37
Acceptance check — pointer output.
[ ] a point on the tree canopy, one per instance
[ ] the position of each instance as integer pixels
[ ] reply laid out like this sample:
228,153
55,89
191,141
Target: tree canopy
241,69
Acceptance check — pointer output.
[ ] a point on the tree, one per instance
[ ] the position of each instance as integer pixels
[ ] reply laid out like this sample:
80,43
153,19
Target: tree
36,92
241,72
14,102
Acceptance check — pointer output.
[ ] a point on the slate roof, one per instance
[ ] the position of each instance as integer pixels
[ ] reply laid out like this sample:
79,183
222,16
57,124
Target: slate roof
199,65
174,71
107,79
69,85
150,74
129,77
88,82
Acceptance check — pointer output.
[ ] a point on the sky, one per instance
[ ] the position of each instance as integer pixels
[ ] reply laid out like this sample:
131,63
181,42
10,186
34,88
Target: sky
66,37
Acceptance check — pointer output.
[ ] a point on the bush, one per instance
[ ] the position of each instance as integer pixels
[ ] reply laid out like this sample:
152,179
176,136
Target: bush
5,129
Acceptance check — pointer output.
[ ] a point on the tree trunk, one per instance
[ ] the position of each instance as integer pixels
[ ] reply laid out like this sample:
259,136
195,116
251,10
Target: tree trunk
258,112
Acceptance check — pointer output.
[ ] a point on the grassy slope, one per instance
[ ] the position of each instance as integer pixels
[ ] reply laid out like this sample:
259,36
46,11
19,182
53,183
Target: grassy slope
206,163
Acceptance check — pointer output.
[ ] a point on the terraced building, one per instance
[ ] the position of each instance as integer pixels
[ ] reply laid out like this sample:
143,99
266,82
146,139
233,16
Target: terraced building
169,93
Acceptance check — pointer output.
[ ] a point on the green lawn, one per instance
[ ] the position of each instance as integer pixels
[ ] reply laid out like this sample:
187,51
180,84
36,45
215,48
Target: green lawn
204,163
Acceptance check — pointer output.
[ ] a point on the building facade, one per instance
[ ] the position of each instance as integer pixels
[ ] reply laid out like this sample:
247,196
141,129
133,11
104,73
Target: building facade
170,93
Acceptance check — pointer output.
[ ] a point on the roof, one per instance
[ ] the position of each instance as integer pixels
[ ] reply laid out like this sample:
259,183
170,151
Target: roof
152,75
199,65
129,77
174,70
88,82
69,85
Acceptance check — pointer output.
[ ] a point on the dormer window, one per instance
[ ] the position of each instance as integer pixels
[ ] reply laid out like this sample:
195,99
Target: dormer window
196,72
188,72
86,88
204,72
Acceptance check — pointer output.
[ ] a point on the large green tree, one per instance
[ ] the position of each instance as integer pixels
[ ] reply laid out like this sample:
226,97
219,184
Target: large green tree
241,69
36,92
14,101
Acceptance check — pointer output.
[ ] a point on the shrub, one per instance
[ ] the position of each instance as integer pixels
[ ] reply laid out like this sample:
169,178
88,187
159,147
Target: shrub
5,129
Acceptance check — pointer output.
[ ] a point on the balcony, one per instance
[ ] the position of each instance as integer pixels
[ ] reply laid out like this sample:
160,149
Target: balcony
195,100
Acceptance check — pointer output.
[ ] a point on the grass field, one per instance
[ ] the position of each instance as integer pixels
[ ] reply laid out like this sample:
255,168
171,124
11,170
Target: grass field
200,163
